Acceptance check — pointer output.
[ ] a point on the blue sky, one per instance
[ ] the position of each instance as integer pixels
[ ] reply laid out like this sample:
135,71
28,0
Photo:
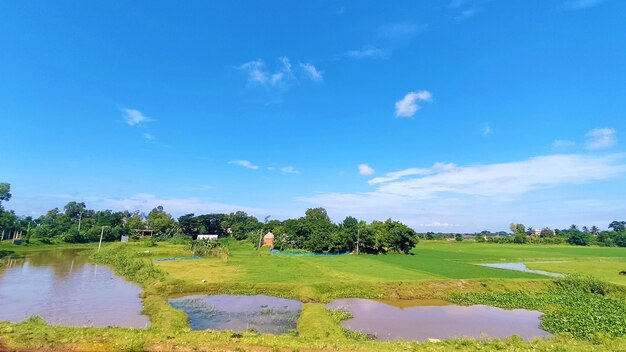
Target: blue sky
458,115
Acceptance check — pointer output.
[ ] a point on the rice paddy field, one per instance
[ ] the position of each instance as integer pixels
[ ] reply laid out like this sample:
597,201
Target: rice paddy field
585,313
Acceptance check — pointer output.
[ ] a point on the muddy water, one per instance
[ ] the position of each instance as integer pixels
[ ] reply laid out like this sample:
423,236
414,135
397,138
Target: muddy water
265,314
387,322
64,289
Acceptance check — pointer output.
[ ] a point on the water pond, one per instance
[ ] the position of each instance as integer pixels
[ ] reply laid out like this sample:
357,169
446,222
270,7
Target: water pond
521,267
265,314
63,288
387,322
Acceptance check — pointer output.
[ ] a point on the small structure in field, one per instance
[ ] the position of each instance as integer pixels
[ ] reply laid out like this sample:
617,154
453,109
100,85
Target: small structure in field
144,233
268,239
206,237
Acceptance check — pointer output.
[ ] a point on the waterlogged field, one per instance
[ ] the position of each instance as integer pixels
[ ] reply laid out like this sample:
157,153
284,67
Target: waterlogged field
584,314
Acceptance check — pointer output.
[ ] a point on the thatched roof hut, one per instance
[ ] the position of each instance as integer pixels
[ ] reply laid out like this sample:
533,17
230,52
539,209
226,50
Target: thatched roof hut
268,239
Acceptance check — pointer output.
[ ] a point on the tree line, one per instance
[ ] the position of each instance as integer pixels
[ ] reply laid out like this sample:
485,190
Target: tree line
313,232
574,235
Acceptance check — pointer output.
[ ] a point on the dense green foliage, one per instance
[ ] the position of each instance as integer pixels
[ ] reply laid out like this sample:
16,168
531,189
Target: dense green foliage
579,306
314,232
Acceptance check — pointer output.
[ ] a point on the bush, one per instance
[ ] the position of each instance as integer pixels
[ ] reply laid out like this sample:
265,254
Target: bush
579,238
209,248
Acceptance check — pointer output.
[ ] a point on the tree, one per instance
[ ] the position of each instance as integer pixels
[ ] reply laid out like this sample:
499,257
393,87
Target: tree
518,228
578,238
620,239
189,224
5,193
316,213
618,226
161,222
458,237
73,210
546,232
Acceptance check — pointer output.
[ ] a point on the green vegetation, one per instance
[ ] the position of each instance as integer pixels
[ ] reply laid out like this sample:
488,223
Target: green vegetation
580,306
588,310
584,312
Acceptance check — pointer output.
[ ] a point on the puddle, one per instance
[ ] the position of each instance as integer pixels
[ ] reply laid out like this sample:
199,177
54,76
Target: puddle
264,314
64,289
521,267
420,323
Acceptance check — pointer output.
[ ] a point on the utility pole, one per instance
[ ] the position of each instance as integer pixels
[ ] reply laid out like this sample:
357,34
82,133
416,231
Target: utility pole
358,238
80,216
101,234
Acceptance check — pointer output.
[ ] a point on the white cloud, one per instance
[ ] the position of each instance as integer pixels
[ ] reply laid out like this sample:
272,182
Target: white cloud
487,130
176,206
392,176
407,106
134,117
600,138
244,163
313,73
148,136
563,143
256,71
289,170
281,77
368,53
474,196
365,170
582,4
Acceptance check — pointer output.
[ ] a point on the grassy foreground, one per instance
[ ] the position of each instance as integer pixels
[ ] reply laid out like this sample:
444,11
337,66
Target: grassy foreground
435,271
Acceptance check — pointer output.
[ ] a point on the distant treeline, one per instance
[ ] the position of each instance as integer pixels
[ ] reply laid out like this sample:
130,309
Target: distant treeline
313,232
573,235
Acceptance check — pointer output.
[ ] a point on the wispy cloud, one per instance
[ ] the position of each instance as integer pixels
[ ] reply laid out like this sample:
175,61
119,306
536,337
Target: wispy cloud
365,170
582,4
396,175
487,130
148,136
400,31
282,76
312,72
134,117
466,14
368,53
563,143
244,163
289,170
465,9
453,194
176,206
600,138
260,75
408,106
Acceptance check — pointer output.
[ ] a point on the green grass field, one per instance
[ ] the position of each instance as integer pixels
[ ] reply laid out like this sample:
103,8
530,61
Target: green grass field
429,261
435,270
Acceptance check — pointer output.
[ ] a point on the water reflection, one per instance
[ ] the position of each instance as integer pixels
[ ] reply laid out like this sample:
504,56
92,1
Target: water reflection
64,289
387,322
521,267
265,314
